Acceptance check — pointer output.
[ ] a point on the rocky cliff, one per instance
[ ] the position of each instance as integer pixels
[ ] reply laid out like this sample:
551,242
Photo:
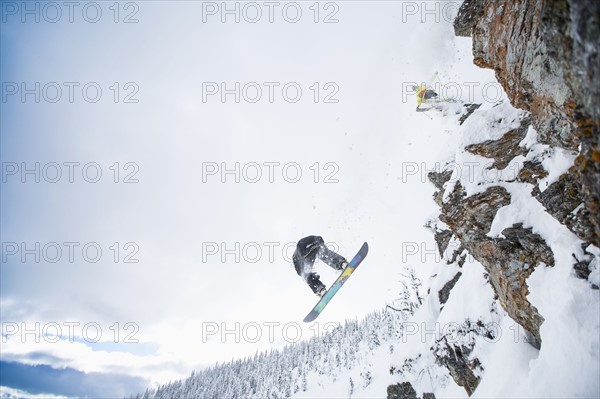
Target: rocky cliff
545,56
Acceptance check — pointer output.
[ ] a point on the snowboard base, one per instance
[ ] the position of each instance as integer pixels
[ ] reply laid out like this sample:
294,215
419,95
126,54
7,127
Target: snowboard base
352,265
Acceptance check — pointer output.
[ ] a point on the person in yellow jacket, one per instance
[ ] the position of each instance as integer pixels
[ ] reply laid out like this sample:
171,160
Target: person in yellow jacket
423,93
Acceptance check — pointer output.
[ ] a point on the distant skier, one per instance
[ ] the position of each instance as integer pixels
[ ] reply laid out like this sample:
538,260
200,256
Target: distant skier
423,94
307,250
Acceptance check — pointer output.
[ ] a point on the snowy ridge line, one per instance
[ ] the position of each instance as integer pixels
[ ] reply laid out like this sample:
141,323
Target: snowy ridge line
268,374
300,368
359,357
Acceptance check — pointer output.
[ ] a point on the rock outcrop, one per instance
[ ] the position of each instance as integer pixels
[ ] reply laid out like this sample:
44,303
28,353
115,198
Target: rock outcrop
563,199
468,15
531,172
504,150
444,293
455,352
405,390
509,261
545,55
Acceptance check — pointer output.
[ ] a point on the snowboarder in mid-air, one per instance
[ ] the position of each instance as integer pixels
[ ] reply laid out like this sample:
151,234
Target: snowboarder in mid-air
307,251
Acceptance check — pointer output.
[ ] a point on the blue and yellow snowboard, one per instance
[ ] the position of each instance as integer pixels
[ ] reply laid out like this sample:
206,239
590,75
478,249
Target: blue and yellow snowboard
352,265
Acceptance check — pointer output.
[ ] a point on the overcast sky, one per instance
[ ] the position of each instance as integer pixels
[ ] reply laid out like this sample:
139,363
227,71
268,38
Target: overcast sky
318,143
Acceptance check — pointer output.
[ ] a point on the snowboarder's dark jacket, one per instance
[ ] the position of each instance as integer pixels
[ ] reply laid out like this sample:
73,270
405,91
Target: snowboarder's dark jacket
304,258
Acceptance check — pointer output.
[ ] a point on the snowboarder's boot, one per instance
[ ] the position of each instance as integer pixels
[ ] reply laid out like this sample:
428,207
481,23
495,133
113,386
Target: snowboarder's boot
342,265
321,291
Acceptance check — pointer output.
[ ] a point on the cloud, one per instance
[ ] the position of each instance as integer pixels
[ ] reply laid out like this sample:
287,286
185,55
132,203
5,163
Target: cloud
43,379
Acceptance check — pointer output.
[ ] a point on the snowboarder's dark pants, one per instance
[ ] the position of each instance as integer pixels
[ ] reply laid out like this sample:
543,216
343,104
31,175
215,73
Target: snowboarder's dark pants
307,251
430,94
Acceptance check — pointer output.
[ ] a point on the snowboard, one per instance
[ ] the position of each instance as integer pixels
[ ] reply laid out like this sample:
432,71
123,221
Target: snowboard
352,265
